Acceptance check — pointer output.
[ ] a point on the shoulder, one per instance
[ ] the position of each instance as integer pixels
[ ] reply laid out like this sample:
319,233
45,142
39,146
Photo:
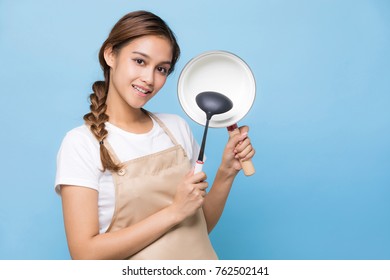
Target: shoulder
80,131
80,136
79,143
78,159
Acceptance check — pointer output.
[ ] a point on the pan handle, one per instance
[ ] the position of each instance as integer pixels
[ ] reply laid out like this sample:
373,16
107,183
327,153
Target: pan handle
247,165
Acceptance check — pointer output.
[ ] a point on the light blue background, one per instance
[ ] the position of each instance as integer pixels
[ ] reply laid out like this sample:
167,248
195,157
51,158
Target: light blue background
320,123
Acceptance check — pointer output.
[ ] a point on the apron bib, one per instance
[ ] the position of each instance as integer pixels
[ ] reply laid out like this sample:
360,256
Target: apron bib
148,184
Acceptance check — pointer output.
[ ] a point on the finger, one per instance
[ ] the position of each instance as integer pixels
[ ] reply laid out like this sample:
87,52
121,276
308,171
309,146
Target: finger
246,154
202,186
250,155
243,132
243,150
244,129
201,193
242,145
199,177
236,140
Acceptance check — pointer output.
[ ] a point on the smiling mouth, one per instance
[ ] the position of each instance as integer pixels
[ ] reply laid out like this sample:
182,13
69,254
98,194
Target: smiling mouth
141,91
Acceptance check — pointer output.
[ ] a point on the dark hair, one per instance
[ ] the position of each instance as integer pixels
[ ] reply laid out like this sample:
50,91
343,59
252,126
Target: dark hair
131,26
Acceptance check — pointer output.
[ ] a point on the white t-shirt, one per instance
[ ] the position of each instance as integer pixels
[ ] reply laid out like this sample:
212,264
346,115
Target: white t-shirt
79,164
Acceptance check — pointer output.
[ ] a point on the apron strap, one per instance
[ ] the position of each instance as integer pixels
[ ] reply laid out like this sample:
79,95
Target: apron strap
164,127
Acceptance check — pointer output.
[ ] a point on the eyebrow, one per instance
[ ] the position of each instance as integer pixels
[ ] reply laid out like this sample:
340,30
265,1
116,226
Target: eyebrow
148,57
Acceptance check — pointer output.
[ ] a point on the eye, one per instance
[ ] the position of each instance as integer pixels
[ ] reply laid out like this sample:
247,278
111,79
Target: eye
139,61
162,70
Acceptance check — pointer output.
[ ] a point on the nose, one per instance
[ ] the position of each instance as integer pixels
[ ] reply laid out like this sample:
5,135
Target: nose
148,75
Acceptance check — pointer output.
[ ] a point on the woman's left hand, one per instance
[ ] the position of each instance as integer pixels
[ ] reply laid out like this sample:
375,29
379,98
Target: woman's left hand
238,148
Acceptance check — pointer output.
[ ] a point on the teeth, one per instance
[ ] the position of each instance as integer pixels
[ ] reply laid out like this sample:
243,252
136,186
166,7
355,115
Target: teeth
140,90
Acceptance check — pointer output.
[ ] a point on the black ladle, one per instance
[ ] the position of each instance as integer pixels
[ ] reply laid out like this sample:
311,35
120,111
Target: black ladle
212,103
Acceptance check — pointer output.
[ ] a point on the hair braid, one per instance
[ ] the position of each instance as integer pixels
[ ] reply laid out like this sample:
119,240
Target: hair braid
96,120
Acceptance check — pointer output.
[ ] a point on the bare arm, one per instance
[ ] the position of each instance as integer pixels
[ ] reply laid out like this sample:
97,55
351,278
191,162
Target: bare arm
82,226
238,147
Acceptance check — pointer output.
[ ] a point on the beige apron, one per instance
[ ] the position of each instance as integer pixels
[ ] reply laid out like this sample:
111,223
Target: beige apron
148,184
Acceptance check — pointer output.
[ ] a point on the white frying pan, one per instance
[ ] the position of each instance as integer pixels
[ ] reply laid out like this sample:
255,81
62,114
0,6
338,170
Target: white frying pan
222,72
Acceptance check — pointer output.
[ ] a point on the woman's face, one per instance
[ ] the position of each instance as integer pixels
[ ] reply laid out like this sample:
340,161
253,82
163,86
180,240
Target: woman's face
138,70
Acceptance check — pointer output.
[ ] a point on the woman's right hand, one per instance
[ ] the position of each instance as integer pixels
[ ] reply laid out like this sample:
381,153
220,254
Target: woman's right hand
190,194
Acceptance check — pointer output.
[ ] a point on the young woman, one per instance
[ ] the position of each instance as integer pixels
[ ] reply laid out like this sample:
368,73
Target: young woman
125,177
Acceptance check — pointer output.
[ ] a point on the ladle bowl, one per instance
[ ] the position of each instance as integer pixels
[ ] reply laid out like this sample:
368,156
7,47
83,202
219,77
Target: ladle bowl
213,103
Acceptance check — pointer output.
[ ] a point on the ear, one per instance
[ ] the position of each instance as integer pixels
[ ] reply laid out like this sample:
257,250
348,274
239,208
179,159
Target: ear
109,56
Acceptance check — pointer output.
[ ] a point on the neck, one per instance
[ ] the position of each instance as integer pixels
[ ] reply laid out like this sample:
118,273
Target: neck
130,119
124,115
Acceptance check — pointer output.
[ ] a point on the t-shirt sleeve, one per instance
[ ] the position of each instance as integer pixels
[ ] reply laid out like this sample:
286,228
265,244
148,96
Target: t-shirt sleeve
78,162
